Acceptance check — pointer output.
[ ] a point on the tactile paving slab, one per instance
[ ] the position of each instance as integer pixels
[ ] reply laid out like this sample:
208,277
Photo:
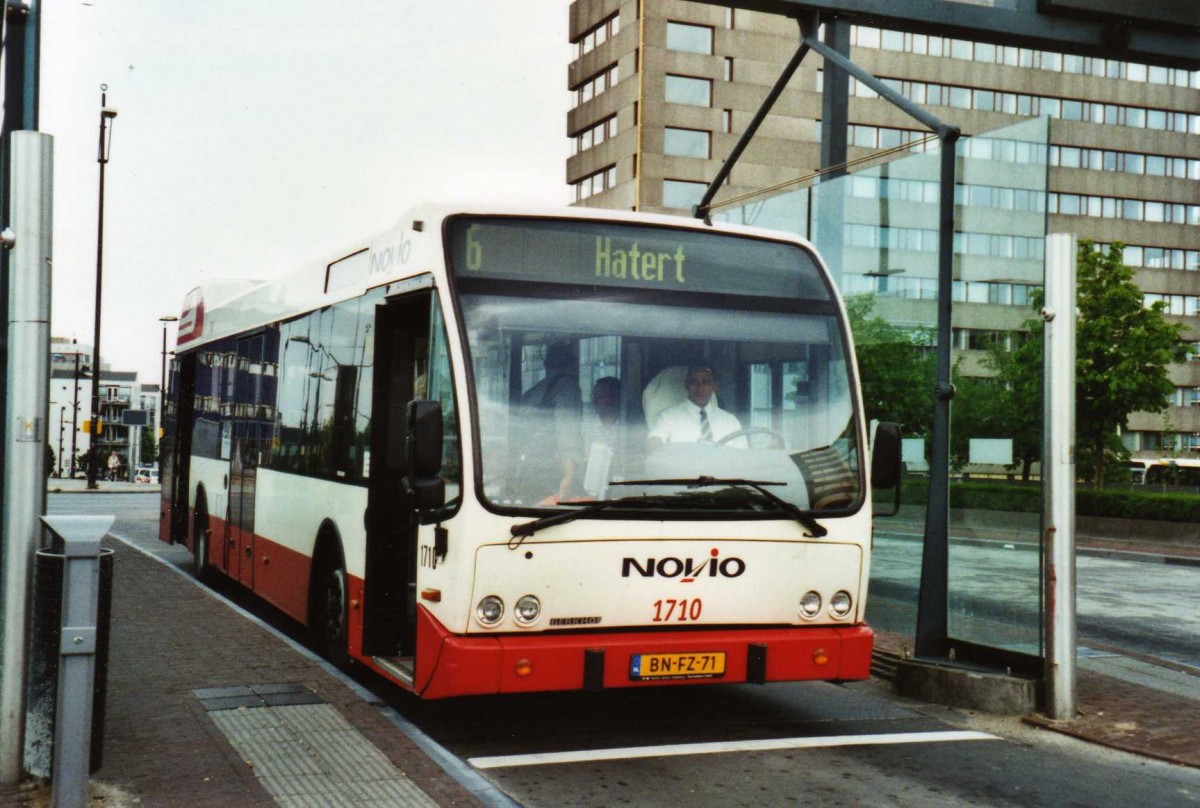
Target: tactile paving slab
310,755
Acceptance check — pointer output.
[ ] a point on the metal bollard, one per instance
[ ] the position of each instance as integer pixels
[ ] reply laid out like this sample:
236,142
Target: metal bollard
79,640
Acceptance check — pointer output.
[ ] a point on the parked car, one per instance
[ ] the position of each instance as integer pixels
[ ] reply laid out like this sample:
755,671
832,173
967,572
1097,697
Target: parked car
145,474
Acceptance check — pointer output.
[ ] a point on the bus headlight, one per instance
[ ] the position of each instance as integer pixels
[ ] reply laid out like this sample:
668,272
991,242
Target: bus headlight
810,604
840,604
490,610
527,610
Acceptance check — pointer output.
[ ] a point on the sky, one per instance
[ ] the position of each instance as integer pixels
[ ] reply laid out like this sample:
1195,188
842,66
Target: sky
255,135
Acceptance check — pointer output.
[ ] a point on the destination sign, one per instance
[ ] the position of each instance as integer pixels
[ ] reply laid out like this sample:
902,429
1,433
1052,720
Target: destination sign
633,257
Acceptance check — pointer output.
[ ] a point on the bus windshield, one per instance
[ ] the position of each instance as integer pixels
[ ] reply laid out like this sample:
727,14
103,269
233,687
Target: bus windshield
615,362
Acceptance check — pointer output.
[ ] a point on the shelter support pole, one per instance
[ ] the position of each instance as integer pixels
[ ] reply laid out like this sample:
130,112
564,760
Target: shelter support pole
25,411
932,619
1058,475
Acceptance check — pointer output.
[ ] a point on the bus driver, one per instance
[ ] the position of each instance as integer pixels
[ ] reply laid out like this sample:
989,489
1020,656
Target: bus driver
696,419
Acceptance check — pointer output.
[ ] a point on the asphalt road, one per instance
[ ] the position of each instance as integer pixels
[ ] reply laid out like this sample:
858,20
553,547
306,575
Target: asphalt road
747,745
1145,608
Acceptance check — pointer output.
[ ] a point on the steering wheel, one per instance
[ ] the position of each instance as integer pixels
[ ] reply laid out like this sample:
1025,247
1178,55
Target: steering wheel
776,442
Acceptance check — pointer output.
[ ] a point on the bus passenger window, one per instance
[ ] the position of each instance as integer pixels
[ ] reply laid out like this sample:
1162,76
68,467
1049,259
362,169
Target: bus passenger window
548,444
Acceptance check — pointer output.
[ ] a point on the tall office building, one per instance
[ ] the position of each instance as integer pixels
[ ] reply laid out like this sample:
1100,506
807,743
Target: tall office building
664,88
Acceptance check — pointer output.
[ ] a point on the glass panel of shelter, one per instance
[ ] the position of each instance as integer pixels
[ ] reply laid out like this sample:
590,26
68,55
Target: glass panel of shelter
877,229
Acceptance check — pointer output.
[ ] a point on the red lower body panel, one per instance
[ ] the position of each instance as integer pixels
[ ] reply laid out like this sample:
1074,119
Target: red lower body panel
277,574
451,665
448,664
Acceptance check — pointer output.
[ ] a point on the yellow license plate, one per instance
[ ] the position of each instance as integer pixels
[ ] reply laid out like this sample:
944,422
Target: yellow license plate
695,665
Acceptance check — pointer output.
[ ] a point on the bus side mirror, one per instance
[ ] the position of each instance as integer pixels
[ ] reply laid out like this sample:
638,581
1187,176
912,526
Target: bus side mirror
425,455
886,462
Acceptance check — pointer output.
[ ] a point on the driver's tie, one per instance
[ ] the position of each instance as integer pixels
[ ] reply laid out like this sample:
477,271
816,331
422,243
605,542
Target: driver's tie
706,435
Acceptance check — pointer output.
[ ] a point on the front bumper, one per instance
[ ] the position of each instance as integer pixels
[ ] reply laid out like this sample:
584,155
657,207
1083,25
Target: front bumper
454,665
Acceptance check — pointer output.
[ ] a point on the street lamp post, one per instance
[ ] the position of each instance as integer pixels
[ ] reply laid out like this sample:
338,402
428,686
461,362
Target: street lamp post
75,417
106,115
62,423
162,388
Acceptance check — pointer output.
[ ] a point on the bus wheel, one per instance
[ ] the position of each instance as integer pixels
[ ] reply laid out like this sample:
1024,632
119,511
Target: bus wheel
200,536
331,614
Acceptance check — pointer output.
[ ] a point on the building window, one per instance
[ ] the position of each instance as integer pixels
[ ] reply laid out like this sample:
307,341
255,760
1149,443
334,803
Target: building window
1133,209
726,121
686,143
596,84
1179,305
691,38
865,37
1186,397
1151,441
598,34
1135,255
688,90
593,184
595,135
682,194
998,101
877,137
728,68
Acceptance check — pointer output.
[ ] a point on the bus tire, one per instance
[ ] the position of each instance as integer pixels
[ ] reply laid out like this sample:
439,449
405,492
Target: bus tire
330,611
201,533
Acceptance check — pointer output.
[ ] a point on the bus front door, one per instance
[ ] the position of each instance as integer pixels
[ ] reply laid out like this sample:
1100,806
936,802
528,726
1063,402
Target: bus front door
401,367
174,475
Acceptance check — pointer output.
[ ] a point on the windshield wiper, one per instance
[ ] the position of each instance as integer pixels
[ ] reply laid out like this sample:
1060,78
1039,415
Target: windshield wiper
526,529
816,530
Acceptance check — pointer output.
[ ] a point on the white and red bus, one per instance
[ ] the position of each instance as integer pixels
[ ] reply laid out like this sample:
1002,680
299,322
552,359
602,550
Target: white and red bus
459,453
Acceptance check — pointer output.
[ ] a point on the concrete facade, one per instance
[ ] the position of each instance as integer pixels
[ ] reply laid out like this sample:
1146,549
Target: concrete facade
1124,165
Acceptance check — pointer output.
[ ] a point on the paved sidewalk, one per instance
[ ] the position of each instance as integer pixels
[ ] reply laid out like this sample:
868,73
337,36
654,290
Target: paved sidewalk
208,708
1162,722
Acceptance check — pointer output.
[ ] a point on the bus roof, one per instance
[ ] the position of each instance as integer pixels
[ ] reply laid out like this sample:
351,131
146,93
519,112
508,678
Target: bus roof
413,247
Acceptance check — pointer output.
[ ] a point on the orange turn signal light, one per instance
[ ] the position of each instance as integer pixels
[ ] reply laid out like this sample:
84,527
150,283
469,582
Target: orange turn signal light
433,595
523,668
820,657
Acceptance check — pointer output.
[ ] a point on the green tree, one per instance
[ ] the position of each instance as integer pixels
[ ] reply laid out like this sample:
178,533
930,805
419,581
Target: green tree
986,407
897,368
1122,347
149,447
1123,350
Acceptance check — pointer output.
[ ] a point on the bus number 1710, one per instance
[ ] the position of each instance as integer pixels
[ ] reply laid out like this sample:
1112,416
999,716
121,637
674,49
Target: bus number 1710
678,610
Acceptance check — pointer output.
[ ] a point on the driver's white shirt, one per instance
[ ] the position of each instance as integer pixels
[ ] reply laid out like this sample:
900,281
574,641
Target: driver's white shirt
681,424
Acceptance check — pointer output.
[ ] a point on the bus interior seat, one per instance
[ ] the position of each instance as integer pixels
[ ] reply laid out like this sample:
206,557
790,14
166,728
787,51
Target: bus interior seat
665,390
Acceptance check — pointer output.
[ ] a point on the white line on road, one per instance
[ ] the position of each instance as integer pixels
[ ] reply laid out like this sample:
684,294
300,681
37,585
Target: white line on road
768,745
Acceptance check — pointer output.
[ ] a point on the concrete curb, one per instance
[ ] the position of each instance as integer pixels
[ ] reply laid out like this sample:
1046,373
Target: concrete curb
80,487
965,687
1135,555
